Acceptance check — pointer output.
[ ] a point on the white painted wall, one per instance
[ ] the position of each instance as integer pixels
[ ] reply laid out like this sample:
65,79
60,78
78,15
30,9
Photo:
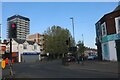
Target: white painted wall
105,54
38,48
103,57
14,46
112,51
30,48
19,48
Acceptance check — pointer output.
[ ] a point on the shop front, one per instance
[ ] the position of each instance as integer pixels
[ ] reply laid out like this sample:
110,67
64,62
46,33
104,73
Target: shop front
111,47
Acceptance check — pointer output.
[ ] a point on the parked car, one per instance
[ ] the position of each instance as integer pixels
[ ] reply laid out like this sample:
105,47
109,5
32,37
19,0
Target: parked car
92,57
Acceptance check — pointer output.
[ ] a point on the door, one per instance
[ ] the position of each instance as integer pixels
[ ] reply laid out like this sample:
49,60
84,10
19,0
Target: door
118,49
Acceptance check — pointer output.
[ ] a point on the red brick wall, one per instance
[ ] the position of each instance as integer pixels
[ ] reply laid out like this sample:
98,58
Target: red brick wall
110,22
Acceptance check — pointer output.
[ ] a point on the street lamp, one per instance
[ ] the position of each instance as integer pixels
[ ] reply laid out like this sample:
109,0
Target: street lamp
0,33
73,29
82,39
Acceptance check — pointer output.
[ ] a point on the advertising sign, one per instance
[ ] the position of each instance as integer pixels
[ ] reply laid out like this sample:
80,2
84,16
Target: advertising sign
111,37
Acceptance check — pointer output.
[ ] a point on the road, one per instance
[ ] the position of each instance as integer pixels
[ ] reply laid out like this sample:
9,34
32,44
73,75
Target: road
54,69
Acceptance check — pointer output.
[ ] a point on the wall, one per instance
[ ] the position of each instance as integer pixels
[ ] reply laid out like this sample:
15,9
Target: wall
112,51
19,48
110,20
14,46
109,51
30,48
105,51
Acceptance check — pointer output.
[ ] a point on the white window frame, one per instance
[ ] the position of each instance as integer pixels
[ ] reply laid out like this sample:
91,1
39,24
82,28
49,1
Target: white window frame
24,46
117,24
104,34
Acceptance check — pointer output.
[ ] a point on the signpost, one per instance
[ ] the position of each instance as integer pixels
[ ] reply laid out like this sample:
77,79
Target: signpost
3,64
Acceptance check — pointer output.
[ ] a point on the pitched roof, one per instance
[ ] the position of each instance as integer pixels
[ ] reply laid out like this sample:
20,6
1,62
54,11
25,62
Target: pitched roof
31,42
117,8
20,41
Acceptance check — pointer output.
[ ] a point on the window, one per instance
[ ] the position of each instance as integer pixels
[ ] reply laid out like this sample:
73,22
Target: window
103,26
35,47
119,25
103,30
25,46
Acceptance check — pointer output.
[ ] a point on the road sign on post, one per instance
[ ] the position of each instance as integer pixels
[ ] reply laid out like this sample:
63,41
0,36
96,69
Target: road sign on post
3,64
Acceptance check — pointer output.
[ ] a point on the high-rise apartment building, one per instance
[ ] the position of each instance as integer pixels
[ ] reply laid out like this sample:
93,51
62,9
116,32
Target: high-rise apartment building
18,27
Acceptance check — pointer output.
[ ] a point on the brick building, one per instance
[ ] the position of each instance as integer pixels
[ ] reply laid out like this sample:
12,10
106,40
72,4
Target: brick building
108,36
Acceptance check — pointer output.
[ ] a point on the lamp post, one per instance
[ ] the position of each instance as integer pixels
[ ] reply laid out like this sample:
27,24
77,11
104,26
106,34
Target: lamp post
73,30
0,33
82,39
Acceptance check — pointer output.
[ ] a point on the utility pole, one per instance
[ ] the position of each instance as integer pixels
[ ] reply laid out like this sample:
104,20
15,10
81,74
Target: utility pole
73,30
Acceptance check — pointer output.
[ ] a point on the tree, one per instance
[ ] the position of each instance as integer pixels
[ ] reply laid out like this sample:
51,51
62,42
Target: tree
55,41
81,47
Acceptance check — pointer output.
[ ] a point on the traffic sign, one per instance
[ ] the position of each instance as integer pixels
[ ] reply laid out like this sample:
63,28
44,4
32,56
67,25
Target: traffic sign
3,64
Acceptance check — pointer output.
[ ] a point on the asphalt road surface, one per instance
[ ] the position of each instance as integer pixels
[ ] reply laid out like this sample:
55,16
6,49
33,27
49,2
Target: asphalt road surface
55,69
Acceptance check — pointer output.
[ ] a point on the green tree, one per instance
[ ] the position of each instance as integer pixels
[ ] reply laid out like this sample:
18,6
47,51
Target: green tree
81,47
55,41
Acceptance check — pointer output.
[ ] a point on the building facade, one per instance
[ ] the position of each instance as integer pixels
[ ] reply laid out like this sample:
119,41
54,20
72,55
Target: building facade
40,39
108,36
89,52
18,27
24,51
